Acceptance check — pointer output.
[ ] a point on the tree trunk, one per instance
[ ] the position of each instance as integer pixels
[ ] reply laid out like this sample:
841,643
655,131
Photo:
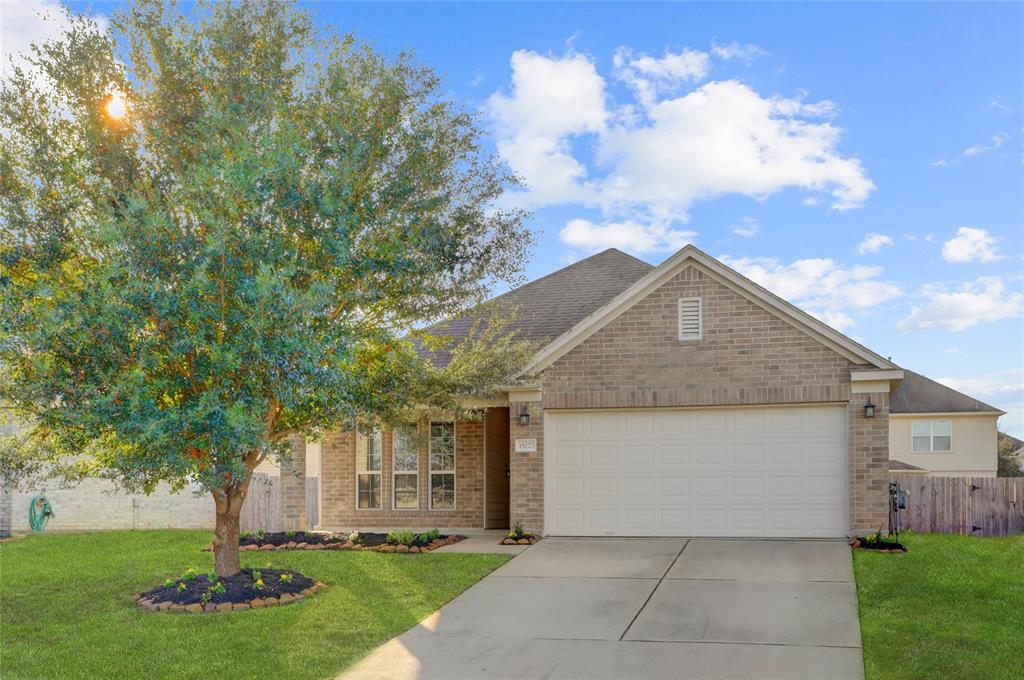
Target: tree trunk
225,533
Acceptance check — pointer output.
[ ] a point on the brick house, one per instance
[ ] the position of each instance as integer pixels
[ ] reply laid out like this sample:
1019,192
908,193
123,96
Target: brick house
682,399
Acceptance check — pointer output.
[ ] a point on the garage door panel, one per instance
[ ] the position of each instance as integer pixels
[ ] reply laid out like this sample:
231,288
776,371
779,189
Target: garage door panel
725,472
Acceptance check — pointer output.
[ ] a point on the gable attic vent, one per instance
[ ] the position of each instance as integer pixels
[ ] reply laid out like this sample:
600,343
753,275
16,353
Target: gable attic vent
691,322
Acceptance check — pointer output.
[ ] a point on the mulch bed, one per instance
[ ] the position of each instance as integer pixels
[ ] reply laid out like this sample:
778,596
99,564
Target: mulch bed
310,540
192,592
877,543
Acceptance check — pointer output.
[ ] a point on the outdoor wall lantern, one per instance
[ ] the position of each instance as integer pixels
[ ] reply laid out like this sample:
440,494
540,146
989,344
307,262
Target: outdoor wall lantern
869,410
524,416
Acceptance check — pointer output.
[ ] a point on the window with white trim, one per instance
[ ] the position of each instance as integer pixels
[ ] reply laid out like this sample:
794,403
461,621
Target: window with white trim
691,318
405,456
368,467
442,466
931,435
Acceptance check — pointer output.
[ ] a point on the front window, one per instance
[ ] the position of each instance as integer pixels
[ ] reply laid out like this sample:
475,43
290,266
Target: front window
932,435
406,457
442,466
368,466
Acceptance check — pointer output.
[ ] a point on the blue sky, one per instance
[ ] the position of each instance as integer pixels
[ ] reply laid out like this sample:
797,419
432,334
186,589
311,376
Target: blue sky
864,161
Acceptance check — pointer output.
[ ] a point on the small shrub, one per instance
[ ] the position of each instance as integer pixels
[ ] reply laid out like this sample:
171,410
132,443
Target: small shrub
285,578
257,574
217,587
401,537
205,597
354,537
261,535
169,583
189,575
257,584
183,586
289,534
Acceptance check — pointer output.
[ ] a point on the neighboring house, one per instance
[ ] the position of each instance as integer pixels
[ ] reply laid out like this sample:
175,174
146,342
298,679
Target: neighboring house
935,430
682,399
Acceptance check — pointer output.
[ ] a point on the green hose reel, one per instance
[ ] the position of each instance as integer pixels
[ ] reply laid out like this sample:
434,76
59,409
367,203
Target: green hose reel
39,512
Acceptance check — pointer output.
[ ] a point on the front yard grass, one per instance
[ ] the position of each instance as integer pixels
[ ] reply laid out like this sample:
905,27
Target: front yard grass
952,607
66,608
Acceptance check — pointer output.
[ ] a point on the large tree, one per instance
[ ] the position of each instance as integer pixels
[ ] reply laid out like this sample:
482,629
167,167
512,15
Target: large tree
222,229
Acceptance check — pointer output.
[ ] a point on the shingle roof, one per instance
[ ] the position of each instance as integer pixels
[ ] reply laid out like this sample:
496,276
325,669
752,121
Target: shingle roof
551,305
918,394
900,465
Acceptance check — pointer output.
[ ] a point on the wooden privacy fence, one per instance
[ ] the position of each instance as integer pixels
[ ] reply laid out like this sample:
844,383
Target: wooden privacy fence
262,507
978,506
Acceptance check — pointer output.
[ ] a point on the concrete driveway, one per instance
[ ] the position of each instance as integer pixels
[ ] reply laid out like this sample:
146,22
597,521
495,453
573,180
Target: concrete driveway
620,609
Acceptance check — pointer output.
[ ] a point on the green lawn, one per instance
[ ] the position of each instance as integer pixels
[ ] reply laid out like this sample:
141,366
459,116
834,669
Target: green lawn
952,607
66,608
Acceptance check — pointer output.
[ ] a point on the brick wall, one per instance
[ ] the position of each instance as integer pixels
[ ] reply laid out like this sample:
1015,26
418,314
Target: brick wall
293,487
747,356
96,505
338,484
526,486
868,440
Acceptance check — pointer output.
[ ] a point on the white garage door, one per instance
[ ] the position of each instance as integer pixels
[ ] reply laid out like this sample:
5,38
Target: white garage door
715,472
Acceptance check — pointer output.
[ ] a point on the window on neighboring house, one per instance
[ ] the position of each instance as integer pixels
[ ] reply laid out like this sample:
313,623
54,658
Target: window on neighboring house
691,319
932,435
406,459
442,466
368,466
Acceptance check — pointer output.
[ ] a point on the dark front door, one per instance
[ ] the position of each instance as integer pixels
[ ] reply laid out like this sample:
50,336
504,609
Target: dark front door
496,472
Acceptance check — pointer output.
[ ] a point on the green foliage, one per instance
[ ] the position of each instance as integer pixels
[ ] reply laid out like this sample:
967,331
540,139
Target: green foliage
285,578
400,537
1009,464
289,534
247,254
169,583
217,587
189,575
428,536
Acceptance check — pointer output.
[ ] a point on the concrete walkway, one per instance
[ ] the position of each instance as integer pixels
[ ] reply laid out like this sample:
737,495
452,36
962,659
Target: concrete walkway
621,609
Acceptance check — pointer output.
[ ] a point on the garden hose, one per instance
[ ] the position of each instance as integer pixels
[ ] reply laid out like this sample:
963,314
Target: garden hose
39,512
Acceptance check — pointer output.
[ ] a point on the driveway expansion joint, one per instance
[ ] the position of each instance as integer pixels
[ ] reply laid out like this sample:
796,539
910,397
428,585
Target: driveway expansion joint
635,616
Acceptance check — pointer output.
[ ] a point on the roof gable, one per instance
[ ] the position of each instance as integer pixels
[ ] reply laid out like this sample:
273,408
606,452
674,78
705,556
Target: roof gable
664,272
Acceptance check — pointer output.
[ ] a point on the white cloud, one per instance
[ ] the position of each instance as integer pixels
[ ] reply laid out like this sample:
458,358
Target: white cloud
650,76
983,300
724,138
746,227
649,161
626,235
971,245
29,22
735,50
990,386
820,285
872,243
552,99
998,140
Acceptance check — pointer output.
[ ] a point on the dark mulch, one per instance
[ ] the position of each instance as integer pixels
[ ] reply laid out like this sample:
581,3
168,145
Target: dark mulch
878,543
284,537
237,589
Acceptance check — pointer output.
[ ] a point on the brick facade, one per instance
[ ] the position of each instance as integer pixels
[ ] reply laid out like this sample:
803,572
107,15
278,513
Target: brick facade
747,356
526,492
338,484
293,487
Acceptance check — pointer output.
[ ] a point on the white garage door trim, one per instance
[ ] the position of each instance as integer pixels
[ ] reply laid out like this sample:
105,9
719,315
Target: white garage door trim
729,472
